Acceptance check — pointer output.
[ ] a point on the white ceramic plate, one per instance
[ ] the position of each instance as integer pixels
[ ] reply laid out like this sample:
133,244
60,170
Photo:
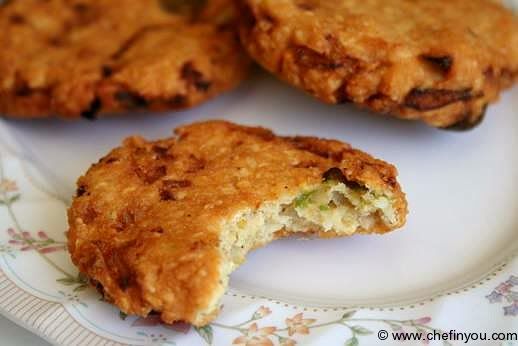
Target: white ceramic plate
463,221
463,215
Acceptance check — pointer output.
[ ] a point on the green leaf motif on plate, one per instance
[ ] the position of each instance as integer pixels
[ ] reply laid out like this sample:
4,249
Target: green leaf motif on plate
348,314
359,330
206,333
352,341
123,315
79,281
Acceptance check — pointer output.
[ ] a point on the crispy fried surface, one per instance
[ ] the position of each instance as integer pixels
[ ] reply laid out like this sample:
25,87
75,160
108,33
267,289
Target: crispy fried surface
439,61
145,224
84,57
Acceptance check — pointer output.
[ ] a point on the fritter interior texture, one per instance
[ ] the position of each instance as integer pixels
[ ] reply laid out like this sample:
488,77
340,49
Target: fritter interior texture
75,58
440,61
160,225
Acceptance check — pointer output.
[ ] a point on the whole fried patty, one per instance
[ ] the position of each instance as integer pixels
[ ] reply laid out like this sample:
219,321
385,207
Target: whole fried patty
76,58
440,61
160,225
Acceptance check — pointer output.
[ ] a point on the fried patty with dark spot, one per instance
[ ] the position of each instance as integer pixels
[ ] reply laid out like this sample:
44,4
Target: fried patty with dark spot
73,58
440,61
160,225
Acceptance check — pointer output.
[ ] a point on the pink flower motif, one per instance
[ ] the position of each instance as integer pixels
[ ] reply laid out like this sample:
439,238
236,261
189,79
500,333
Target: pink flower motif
423,320
287,342
261,312
154,320
149,321
179,327
25,242
7,185
42,235
51,249
298,324
255,336
504,287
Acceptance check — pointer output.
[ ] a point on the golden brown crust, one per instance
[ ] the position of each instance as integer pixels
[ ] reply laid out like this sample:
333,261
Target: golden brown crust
145,223
438,61
83,57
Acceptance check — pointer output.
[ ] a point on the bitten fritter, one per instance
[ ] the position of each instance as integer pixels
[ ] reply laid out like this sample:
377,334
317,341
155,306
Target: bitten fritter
160,225
73,58
440,61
